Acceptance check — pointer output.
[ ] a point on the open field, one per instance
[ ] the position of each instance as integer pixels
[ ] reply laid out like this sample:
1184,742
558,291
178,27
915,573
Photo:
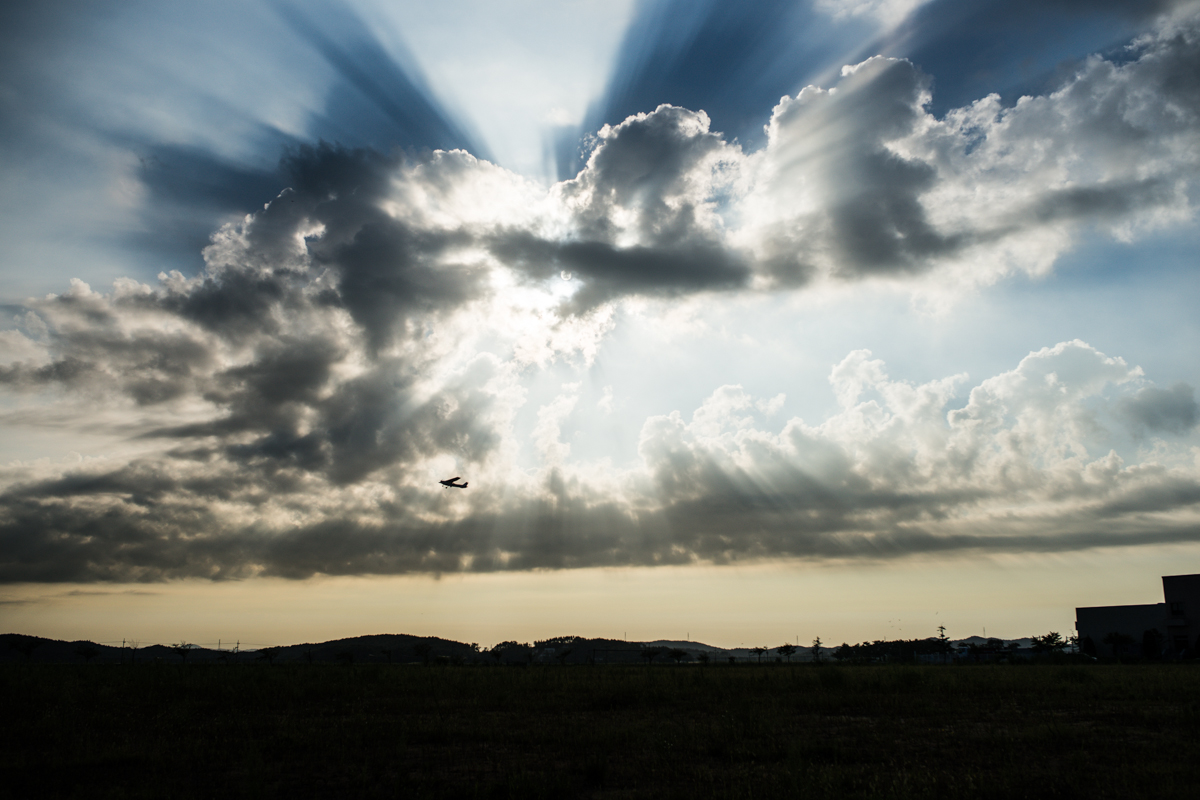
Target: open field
152,730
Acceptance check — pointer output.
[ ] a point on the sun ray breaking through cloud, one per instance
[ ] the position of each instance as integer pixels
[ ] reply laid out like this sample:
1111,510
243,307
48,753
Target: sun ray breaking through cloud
399,309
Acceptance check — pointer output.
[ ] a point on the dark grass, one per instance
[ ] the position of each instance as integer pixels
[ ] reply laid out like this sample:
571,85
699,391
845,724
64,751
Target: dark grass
661,731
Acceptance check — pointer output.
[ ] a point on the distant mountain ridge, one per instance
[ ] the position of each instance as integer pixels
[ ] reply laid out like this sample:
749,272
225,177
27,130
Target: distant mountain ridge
400,648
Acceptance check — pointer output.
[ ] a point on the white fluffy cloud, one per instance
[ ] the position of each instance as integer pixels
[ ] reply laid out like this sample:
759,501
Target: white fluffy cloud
1029,454
861,180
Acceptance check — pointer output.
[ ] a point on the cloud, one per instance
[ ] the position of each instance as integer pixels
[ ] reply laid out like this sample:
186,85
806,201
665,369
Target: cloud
292,355
1171,410
643,216
898,471
1011,47
868,217
373,328
732,60
861,180
132,132
1026,463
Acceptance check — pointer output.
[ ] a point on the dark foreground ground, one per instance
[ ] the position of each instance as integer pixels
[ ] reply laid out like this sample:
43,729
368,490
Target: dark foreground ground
657,732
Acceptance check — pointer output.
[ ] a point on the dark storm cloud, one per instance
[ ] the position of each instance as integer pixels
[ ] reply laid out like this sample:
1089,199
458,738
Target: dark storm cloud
1171,410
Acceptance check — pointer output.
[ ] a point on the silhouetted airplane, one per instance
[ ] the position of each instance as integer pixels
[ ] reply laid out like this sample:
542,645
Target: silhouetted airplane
450,483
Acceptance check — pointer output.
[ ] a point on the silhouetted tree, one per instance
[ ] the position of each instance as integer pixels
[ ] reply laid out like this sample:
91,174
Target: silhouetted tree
703,659
943,641
268,654
676,654
843,652
422,650
1052,642
650,653
87,652
816,649
758,652
513,651
182,649
786,651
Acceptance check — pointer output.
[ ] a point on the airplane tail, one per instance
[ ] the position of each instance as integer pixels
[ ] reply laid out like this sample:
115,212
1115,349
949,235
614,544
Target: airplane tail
466,484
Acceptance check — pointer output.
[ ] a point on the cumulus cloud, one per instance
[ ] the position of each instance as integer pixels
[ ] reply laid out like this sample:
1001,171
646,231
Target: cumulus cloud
1171,410
733,60
325,477
898,469
862,180
288,410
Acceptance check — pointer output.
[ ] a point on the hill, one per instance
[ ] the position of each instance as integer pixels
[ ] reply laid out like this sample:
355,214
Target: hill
401,648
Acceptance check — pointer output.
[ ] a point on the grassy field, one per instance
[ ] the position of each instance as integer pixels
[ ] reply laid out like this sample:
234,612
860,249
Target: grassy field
661,731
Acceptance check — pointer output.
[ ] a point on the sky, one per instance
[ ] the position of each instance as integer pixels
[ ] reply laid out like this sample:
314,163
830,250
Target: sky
746,323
